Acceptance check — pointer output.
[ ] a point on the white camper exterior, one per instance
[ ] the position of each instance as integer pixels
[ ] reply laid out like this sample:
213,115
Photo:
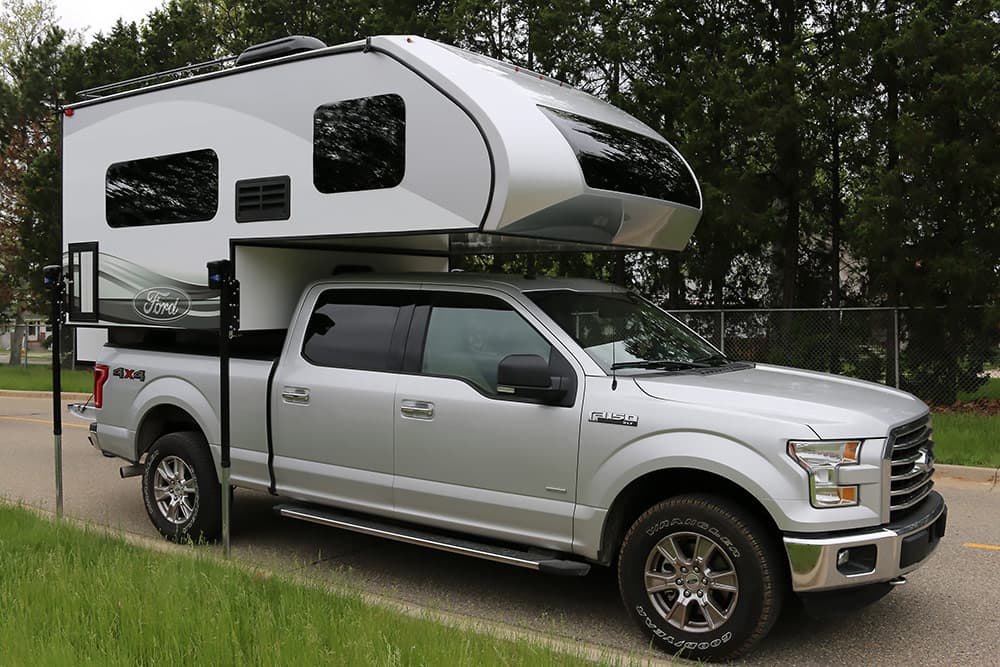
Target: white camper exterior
394,150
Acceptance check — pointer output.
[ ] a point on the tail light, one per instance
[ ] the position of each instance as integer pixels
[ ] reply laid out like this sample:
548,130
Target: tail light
100,377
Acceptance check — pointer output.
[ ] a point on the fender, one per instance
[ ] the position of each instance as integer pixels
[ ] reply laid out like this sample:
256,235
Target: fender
180,394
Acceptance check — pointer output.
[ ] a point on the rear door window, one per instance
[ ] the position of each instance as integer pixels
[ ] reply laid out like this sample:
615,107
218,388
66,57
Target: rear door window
361,329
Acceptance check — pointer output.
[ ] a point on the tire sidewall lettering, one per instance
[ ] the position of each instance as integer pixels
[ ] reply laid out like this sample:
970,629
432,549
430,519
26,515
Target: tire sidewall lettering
680,642
704,526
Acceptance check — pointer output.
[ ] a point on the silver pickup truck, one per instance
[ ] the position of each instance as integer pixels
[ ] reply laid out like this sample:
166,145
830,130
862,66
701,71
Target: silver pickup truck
545,423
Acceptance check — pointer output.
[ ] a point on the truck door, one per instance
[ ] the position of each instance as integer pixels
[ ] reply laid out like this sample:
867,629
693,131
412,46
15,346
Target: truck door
469,457
333,397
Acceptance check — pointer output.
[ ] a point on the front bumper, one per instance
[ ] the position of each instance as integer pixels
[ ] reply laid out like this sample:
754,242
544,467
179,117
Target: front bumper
856,558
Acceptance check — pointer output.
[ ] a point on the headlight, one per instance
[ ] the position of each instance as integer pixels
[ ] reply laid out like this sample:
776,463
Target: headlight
823,460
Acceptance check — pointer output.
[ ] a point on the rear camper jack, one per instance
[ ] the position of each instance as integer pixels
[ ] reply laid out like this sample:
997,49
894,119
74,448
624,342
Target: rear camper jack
220,277
53,278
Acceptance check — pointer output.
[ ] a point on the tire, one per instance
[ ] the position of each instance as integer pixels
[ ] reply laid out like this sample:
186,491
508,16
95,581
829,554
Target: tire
722,592
181,490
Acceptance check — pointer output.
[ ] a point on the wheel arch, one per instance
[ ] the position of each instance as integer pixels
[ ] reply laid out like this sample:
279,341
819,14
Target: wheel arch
160,420
653,487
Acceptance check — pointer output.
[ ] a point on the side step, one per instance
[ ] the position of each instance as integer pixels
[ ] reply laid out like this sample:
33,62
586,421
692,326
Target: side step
548,563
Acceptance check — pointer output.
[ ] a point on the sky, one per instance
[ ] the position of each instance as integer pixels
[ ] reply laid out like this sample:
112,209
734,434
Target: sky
94,16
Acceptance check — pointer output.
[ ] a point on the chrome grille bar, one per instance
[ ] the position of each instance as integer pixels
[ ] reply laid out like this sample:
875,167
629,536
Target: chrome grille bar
912,466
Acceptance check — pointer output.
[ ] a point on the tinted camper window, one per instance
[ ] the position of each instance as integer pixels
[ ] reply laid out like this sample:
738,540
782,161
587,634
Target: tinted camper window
359,144
162,190
616,159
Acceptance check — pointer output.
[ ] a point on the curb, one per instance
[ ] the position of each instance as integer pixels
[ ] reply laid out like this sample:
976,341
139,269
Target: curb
14,393
968,473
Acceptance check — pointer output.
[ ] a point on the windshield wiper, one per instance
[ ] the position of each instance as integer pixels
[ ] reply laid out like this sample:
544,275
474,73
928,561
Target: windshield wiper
662,364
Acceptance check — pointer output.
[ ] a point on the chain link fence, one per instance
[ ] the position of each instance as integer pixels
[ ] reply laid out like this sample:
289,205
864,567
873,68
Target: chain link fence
940,355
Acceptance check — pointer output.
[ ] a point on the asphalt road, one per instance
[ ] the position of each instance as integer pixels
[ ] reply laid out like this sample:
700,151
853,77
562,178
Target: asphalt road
948,613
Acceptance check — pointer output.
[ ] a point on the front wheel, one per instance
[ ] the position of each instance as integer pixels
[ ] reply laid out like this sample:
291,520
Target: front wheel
180,488
701,576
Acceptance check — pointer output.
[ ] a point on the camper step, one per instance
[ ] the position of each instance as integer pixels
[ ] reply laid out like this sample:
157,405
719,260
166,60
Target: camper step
547,562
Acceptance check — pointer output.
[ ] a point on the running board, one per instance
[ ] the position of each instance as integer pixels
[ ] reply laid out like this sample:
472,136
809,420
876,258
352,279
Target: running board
548,563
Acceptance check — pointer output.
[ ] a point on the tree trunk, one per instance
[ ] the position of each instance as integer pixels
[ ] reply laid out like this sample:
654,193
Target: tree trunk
17,339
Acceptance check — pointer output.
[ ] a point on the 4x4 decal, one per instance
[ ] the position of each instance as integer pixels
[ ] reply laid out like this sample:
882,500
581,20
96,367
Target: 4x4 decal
129,374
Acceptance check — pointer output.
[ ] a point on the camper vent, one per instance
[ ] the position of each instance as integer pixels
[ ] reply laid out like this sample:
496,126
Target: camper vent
263,199
277,48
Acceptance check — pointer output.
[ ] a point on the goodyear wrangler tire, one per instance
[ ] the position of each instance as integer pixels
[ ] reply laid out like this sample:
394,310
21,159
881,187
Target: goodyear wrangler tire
180,488
701,576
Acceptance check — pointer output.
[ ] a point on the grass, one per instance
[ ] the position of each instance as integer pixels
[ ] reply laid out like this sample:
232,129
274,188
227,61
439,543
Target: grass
989,390
72,597
38,377
967,439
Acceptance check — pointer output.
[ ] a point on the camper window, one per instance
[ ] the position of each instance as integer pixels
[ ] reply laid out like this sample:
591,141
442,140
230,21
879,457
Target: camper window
163,190
359,144
616,159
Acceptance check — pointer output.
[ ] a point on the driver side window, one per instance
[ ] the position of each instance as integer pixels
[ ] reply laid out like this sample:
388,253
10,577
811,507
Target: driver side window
468,335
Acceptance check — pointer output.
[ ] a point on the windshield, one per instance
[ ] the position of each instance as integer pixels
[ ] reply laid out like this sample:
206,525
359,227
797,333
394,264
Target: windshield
620,330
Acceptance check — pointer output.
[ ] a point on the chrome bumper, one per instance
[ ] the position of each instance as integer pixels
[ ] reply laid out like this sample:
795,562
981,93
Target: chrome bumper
847,560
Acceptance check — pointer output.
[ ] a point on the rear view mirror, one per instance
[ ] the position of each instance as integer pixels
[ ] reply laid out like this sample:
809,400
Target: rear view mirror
528,376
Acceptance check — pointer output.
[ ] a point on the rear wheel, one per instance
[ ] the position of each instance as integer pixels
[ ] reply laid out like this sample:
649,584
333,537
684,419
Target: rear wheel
701,576
180,488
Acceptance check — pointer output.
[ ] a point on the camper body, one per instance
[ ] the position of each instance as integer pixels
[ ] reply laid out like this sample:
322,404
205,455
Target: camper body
545,423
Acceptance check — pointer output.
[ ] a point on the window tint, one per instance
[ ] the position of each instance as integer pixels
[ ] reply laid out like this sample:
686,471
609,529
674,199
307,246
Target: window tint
468,336
359,144
616,159
162,190
354,329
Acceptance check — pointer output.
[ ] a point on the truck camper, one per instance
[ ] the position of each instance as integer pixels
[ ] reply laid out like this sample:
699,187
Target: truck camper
393,152
553,424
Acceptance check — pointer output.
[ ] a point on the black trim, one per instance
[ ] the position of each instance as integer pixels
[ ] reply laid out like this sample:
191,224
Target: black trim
75,314
375,250
397,344
269,428
414,356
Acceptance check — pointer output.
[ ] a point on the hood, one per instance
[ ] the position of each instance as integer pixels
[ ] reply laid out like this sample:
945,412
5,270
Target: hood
832,406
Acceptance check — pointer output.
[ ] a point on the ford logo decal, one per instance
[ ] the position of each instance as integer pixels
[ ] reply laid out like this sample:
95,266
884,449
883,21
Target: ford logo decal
161,304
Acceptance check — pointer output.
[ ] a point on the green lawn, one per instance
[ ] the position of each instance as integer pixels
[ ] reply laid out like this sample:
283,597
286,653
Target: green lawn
38,377
989,390
76,598
967,439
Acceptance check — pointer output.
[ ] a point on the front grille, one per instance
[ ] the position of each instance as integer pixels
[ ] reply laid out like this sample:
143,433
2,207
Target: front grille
912,459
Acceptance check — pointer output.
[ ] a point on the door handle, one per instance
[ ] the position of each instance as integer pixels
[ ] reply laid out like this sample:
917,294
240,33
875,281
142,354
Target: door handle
295,395
417,409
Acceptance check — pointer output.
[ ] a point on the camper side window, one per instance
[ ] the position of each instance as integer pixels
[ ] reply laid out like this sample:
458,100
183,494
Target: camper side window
163,190
359,144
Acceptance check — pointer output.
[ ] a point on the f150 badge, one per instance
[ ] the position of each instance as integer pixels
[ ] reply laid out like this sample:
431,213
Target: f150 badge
619,418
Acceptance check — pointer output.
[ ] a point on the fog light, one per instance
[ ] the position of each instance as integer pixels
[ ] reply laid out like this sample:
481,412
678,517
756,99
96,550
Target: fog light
843,557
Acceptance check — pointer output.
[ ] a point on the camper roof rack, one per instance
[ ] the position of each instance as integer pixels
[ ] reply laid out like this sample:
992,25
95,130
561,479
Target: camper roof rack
177,72
276,48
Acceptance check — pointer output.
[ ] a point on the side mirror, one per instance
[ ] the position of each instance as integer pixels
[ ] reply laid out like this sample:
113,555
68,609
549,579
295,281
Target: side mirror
527,375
